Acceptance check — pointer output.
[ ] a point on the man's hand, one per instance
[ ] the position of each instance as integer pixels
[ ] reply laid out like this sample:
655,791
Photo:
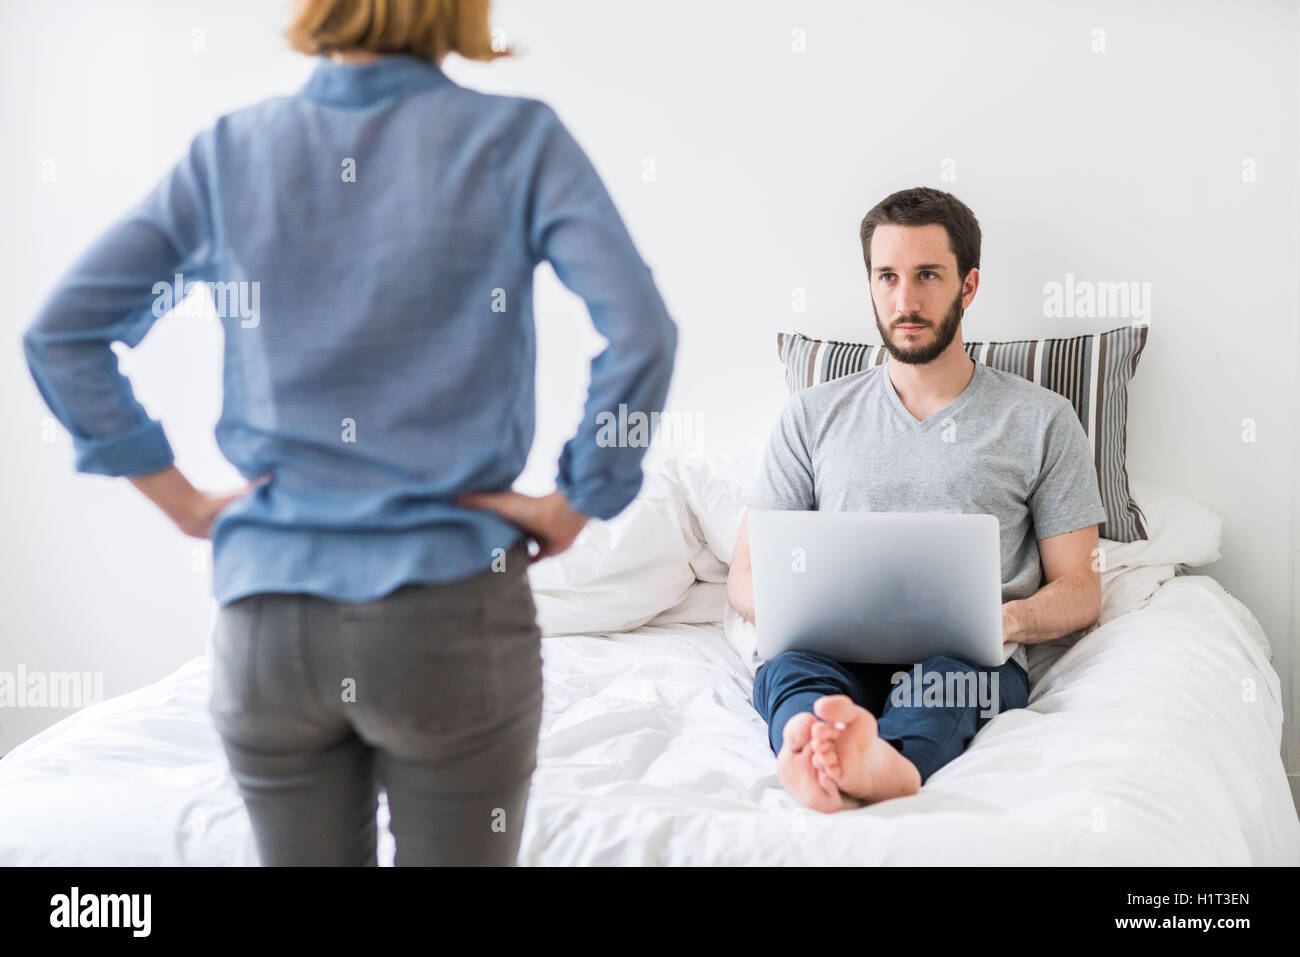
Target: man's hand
191,510
549,519
1010,624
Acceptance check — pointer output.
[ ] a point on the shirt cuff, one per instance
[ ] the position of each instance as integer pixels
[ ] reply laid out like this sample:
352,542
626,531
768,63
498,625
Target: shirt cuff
142,450
600,497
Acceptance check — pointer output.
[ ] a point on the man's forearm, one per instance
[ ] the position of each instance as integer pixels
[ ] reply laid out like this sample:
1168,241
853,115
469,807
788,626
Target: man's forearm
740,592
1062,607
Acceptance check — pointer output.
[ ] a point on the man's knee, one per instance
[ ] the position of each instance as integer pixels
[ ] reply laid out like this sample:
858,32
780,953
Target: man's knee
950,682
1006,685
784,667
1015,687
947,663
789,663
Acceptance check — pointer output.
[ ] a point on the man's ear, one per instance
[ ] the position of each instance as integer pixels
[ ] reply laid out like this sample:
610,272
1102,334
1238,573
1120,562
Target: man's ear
970,285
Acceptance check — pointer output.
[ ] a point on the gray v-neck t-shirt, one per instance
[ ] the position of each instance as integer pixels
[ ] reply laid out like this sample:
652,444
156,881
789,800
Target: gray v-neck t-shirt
1005,447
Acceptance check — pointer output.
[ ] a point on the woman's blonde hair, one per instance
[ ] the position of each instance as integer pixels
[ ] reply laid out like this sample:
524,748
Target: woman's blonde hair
426,28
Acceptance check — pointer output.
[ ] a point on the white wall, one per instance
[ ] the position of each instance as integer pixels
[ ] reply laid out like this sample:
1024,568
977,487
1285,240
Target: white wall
1114,166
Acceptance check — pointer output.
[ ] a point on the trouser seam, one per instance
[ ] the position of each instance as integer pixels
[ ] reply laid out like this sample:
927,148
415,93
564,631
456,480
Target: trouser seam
305,671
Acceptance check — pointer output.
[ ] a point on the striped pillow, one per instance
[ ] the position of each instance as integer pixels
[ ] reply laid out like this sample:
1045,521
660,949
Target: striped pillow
1093,372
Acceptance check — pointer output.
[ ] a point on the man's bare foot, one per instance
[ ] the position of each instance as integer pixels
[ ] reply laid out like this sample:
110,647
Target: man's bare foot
848,750
810,787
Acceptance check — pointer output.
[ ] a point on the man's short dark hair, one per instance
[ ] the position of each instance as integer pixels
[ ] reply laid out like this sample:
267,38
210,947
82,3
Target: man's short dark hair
923,206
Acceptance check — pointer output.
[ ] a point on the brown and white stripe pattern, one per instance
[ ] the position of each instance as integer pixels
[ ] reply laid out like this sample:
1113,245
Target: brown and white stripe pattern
1092,371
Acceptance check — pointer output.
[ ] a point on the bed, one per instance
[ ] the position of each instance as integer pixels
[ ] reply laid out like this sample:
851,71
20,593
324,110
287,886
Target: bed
1153,739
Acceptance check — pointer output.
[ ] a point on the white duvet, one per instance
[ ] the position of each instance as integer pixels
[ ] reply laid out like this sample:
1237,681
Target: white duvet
1152,740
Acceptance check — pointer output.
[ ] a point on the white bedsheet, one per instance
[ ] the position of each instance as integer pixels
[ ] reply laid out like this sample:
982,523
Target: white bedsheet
1138,747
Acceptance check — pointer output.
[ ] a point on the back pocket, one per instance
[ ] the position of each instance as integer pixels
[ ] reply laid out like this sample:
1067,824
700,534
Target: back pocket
419,669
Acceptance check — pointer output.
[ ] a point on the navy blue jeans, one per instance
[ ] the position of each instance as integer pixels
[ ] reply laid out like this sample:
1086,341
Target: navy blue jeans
928,711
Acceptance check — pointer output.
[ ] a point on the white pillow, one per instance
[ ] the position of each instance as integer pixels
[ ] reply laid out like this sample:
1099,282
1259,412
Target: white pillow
715,503
623,572
1182,531
1130,588
705,603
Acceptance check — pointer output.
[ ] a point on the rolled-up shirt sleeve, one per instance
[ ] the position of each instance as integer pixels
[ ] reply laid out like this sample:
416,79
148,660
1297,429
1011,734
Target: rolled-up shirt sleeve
573,224
110,295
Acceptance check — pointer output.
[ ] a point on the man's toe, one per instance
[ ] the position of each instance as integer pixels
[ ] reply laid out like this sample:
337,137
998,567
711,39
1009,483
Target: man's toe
835,709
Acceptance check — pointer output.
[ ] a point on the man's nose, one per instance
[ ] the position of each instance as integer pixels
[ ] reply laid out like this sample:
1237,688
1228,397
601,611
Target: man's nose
907,302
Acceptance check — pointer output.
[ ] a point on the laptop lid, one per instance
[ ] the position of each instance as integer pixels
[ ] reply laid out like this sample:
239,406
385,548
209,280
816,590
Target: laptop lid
887,587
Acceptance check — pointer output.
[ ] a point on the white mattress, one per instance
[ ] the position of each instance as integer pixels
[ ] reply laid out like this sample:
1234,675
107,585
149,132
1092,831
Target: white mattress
1139,746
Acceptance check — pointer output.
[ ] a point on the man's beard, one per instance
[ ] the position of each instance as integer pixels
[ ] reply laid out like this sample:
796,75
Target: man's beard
921,354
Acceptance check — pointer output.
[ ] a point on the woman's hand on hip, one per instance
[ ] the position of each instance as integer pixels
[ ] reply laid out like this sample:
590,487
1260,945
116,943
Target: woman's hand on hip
549,519
191,510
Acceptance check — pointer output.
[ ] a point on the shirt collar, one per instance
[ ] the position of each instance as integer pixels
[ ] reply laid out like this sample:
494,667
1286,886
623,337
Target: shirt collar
358,84
977,377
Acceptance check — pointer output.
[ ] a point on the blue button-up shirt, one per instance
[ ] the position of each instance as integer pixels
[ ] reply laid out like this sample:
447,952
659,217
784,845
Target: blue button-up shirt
369,244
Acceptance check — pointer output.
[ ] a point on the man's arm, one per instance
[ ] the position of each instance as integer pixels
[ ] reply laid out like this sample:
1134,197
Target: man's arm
1071,599
784,481
740,580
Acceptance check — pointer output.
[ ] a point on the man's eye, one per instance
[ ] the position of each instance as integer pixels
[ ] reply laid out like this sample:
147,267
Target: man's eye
928,273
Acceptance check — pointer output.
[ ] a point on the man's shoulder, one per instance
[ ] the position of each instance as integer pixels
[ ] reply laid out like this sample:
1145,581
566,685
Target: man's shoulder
1015,391
845,388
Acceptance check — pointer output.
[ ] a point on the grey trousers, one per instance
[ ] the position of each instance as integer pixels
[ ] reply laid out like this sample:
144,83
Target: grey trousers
432,692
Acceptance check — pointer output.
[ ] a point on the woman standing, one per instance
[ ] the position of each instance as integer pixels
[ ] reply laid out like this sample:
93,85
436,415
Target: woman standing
370,244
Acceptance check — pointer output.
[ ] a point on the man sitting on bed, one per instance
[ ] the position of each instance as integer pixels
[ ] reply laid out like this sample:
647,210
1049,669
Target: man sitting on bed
927,430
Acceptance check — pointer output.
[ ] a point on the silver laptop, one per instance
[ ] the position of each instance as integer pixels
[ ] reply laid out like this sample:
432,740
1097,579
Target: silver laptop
887,587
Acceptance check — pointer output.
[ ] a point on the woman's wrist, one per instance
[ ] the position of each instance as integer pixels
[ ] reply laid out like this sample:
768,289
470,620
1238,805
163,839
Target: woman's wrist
170,490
